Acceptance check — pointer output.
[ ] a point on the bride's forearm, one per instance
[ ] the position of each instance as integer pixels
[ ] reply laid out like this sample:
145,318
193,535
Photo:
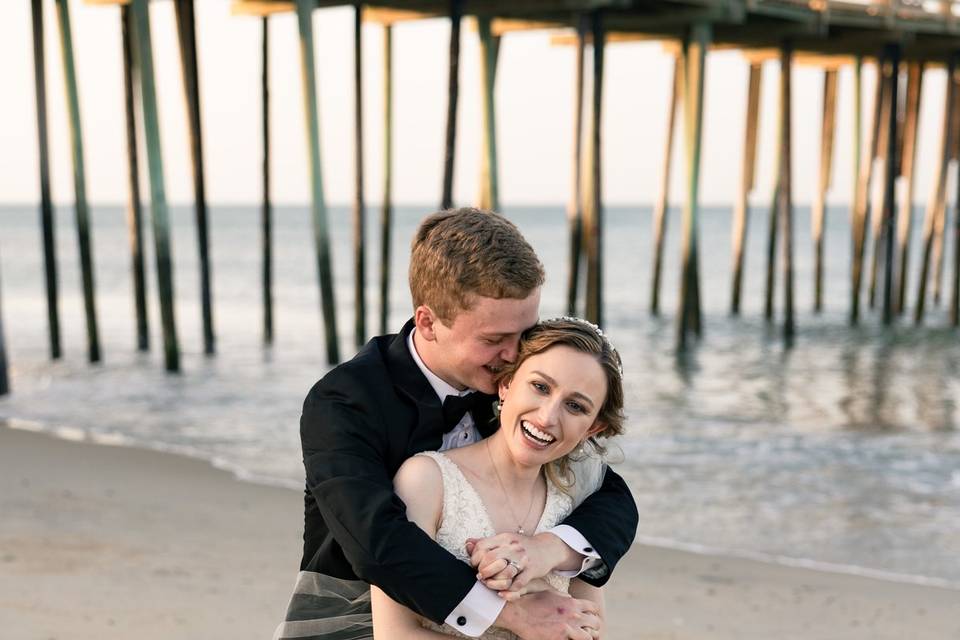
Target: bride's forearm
393,621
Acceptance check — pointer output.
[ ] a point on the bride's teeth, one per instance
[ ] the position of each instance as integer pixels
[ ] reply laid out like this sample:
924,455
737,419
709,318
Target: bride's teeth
546,437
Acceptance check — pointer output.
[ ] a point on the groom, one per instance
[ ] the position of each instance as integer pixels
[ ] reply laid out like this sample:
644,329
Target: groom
475,284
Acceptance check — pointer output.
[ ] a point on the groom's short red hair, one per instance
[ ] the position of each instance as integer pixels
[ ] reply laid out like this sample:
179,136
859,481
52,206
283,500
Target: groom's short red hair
460,253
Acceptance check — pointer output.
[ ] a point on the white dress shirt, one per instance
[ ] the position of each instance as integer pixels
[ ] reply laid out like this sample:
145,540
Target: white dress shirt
481,606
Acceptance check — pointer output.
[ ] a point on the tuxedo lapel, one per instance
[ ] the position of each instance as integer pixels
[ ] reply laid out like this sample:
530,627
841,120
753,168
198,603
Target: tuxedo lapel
427,433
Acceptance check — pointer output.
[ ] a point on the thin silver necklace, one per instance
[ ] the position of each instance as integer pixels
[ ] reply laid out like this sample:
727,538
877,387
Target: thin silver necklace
506,496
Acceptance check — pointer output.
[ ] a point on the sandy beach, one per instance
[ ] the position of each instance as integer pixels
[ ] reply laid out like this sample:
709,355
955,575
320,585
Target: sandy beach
108,542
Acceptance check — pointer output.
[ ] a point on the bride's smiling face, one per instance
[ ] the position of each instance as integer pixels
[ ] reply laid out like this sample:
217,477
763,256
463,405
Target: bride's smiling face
551,404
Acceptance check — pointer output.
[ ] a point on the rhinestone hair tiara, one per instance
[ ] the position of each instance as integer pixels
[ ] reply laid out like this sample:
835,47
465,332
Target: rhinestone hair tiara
596,330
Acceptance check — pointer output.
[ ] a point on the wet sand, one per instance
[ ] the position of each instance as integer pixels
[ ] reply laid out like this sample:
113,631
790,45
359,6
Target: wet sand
108,542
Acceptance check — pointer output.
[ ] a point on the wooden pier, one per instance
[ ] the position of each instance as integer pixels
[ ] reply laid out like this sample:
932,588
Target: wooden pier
903,40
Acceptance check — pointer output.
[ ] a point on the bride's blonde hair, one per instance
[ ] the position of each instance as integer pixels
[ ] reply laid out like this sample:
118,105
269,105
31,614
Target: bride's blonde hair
587,338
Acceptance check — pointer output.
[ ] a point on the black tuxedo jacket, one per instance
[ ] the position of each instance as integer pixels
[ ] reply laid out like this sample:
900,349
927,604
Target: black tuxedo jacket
359,423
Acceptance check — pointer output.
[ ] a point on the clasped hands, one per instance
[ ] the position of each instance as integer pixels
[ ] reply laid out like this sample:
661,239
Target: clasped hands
514,566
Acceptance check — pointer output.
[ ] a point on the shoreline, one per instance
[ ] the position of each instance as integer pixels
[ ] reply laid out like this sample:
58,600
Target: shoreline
111,541
75,434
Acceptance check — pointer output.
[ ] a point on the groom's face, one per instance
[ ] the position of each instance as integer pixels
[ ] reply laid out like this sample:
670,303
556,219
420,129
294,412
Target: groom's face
469,352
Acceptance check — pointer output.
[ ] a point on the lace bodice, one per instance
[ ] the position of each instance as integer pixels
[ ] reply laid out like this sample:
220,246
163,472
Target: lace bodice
465,516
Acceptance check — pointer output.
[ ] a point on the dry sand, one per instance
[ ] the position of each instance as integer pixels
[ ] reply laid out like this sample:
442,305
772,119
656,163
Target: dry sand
107,542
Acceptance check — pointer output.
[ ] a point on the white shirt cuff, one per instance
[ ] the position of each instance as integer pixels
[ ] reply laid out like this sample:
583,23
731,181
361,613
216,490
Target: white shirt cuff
477,611
592,561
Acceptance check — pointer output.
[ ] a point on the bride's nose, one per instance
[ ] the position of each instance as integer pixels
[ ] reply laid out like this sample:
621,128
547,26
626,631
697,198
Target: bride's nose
549,411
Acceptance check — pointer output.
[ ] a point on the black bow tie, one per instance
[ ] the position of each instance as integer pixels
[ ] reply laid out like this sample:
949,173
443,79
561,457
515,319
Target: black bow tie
454,408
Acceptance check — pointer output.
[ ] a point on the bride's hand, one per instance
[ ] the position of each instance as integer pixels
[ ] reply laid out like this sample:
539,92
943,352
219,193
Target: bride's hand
509,561
535,585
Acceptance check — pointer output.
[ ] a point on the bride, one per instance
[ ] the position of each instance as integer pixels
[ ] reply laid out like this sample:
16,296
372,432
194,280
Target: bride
564,390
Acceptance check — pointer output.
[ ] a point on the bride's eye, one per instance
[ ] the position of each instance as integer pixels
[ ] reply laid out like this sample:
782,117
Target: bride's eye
540,386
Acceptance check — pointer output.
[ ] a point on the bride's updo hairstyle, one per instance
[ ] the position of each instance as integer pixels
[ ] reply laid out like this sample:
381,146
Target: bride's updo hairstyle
587,338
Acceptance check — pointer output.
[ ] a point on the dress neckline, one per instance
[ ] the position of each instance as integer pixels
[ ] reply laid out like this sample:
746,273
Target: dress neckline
483,505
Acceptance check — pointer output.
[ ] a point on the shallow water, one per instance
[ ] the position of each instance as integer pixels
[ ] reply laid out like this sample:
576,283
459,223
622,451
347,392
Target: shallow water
843,450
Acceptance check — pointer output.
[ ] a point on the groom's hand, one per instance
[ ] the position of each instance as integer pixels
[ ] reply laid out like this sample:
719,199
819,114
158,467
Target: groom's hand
551,615
509,561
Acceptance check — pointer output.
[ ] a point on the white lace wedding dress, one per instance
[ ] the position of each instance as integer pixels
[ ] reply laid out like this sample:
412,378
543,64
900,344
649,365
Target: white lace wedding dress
465,516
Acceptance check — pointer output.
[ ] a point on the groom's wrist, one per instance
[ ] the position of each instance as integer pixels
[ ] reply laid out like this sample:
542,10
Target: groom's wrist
562,556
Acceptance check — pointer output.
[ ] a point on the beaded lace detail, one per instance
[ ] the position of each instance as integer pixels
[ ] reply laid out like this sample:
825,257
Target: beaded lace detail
465,516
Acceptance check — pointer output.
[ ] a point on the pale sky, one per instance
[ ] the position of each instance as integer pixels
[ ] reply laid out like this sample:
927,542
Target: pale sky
534,102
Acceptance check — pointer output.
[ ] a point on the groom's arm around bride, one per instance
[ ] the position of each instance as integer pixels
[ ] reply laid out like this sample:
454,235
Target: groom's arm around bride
367,416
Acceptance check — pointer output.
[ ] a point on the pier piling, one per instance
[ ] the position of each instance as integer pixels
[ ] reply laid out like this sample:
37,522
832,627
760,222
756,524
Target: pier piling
143,59
785,199
862,201
386,212
453,92
741,215
47,220
79,181
773,226
826,165
575,206
908,163
594,219
318,204
131,78
489,172
937,200
359,226
4,378
266,208
694,67
663,202
891,171
187,38
883,149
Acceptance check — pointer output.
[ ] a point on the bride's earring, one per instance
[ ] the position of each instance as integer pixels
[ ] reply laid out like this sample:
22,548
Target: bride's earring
497,407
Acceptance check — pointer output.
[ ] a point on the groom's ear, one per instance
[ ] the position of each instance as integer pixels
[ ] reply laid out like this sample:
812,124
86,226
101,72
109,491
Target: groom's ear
424,318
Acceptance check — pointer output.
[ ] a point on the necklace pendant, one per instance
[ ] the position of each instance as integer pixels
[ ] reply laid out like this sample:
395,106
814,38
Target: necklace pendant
520,530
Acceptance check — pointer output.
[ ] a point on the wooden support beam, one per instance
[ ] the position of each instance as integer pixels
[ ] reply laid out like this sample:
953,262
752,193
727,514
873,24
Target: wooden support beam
773,225
131,79
785,199
826,166
877,212
575,205
321,234
386,213
4,377
861,207
266,209
937,200
891,170
694,72
943,212
143,58
359,231
905,216
79,181
387,16
663,203
594,212
453,91
259,8
187,37
47,219
489,54
502,26
741,216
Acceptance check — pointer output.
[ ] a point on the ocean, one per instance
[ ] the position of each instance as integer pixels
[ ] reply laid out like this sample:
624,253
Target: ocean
841,453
